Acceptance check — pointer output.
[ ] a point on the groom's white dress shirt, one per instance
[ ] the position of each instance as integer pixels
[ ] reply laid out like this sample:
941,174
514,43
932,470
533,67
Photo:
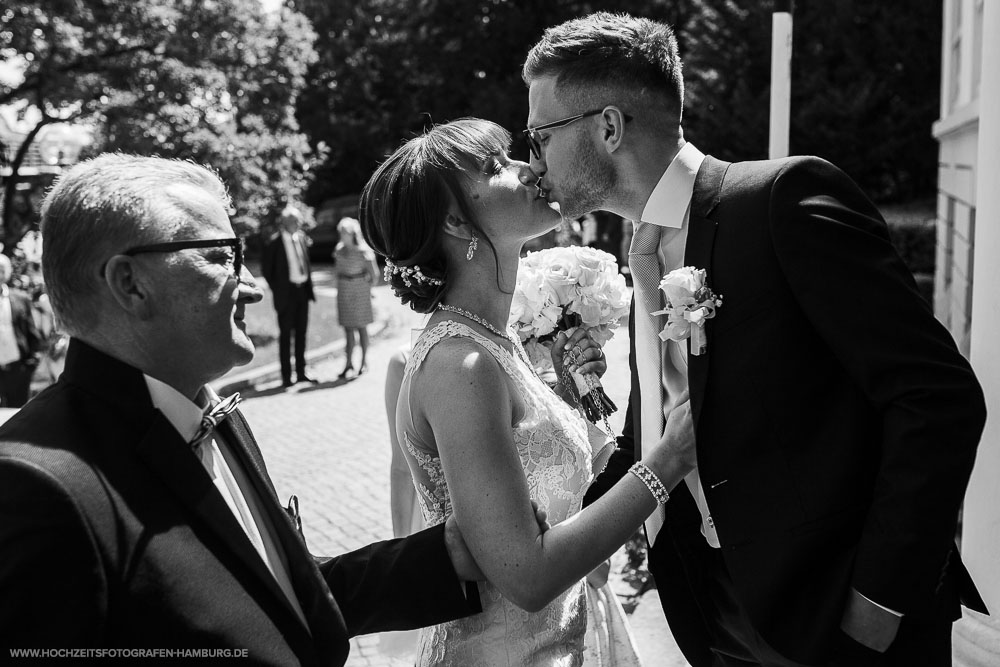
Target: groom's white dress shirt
228,476
669,207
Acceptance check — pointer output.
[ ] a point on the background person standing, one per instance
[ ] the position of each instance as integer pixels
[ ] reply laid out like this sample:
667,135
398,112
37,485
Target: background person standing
285,266
356,273
20,341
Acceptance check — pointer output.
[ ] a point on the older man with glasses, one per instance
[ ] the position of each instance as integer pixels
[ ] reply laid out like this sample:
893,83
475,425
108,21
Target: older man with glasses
136,509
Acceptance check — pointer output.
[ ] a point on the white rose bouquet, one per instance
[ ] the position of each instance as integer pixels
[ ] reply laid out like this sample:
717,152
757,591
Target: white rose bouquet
560,289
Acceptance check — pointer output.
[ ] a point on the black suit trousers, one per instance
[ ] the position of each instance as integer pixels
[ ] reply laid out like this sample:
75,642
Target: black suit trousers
293,317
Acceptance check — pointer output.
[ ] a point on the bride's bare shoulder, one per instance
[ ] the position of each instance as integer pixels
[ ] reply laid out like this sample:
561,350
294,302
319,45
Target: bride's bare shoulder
458,359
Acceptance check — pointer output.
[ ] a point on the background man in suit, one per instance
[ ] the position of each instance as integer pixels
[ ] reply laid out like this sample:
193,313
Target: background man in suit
836,422
285,265
128,519
20,341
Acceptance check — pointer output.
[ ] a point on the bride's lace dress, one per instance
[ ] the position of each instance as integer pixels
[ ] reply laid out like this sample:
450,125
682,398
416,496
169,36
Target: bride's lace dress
553,443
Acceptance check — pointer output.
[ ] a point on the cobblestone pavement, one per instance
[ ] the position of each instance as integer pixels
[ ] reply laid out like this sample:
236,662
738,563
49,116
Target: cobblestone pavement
328,443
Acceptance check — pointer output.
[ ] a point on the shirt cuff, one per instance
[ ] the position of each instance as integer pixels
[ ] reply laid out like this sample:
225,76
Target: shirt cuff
891,611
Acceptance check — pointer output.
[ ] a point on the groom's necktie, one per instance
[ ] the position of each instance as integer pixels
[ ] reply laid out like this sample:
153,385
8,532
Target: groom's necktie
656,372
644,263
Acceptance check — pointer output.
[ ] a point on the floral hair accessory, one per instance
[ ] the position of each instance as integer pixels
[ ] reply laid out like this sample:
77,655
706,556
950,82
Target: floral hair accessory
689,304
409,274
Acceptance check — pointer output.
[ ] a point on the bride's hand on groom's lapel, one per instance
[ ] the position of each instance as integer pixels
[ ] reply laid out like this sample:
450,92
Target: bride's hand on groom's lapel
461,558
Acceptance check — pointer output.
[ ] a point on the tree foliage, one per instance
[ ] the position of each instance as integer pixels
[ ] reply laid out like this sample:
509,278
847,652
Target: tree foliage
865,87
865,78
389,68
214,81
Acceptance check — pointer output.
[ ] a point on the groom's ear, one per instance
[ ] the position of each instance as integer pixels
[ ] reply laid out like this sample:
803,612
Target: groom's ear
612,128
455,226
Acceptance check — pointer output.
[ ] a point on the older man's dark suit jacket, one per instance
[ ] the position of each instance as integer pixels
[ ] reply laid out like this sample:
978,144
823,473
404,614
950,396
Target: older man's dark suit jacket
113,535
836,421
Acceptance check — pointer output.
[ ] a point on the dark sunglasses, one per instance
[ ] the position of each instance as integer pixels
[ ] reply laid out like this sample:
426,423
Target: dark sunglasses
535,139
235,243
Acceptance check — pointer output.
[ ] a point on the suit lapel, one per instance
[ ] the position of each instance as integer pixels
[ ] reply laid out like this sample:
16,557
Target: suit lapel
169,457
311,590
698,253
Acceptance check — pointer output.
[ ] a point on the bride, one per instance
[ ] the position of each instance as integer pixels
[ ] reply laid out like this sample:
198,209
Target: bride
483,435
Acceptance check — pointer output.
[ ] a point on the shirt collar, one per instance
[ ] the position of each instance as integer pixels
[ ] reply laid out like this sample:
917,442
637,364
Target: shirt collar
671,197
183,414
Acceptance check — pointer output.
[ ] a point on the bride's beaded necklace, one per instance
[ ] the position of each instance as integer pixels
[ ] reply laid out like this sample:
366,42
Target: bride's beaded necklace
476,318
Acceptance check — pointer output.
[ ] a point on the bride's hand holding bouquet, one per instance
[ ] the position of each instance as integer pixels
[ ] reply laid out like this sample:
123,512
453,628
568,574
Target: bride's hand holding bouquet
573,356
567,303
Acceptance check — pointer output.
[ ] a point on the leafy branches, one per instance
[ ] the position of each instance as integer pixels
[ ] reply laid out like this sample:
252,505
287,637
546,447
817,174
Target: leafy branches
211,80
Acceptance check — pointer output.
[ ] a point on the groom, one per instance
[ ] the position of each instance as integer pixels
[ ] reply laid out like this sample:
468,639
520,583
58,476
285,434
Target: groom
836,421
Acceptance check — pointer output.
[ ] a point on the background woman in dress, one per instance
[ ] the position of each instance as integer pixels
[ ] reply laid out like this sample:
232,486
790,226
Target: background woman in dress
356,273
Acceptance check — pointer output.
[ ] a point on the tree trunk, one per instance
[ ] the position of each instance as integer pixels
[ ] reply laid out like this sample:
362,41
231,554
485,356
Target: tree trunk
12,231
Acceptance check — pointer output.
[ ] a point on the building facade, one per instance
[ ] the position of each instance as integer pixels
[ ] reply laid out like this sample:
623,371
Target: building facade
957,132
967,281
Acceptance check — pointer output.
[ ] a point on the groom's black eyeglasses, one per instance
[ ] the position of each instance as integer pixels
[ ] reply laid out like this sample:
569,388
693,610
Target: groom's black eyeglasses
535,139
235,243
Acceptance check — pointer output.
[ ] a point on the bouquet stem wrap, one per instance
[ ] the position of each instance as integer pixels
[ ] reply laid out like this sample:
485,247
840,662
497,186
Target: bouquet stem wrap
589,390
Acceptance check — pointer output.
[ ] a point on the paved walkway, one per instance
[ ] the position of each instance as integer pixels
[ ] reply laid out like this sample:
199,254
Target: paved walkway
328,443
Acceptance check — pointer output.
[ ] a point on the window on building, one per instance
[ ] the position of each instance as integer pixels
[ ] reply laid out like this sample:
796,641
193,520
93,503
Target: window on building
977,48
955,71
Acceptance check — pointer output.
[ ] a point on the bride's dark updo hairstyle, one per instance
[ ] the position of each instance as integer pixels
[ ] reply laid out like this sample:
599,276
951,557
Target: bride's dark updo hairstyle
405,202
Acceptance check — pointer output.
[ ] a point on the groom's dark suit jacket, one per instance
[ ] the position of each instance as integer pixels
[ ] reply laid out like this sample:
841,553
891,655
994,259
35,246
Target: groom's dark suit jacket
836,421
113,535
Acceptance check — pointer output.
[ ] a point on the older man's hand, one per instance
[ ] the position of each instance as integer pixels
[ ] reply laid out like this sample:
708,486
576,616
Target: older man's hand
461,558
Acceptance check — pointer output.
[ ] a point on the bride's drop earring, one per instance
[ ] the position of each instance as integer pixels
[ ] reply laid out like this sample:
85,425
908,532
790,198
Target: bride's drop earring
473,244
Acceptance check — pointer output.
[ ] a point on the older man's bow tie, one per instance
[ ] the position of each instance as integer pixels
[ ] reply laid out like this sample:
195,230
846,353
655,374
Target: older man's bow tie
215,416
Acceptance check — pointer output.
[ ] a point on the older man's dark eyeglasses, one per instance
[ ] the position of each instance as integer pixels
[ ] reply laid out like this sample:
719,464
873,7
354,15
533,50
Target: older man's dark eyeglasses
535,139
235,243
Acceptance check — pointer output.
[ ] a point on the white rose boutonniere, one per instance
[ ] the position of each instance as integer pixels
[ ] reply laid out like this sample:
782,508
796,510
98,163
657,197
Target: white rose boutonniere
689,304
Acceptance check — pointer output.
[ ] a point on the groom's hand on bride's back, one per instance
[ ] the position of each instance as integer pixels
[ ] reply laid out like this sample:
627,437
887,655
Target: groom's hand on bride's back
461,558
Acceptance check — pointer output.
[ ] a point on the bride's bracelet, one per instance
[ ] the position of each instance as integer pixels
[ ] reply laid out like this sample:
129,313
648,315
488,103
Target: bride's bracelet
652,482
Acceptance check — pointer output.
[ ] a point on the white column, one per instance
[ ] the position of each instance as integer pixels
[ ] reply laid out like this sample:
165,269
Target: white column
977,637
781,83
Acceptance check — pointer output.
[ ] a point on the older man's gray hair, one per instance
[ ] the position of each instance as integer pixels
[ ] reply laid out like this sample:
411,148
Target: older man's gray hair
103,206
